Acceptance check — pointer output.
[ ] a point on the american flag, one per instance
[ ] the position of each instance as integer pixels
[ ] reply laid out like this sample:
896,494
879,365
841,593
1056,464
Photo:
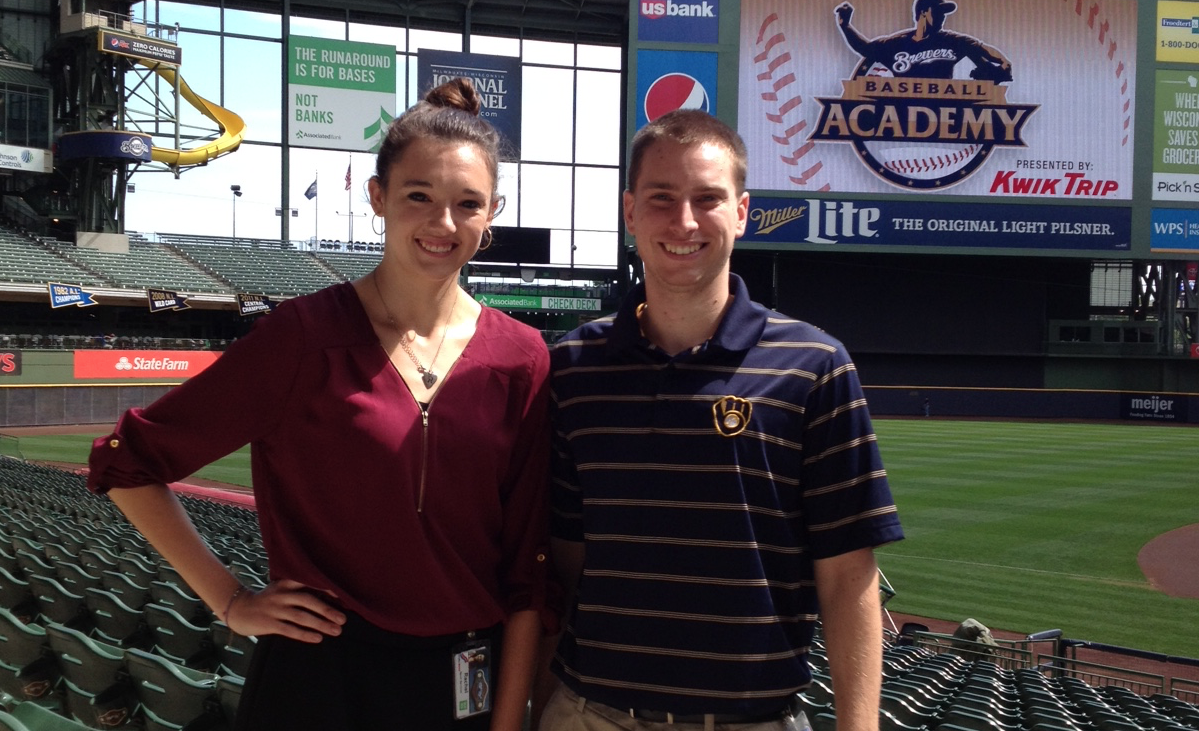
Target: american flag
347,177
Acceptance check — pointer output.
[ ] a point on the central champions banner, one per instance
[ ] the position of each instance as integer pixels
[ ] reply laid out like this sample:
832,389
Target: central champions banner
969,97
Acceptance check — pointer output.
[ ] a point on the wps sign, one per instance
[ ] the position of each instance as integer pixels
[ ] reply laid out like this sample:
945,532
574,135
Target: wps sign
678,21
340,95
178,364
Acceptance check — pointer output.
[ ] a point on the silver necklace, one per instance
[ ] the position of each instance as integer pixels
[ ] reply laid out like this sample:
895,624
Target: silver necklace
427,376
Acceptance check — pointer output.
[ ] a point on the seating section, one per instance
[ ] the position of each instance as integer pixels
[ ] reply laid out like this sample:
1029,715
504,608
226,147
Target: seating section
23,260
261,270
145,265
350,265
96,630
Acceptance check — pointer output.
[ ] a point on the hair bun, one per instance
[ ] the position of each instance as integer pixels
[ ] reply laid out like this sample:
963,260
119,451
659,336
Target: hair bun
458,93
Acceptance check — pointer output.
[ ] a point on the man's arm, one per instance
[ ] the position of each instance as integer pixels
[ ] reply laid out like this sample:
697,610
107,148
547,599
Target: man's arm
567,557
853,632
853,39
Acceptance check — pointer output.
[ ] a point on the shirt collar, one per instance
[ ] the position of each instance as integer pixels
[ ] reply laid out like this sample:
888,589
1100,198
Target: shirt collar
740,329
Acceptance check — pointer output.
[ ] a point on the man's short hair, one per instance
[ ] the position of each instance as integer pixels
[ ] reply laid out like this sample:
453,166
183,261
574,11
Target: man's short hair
690,127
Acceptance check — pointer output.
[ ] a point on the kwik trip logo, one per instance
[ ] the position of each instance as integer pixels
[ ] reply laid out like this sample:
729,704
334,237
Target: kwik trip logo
925,106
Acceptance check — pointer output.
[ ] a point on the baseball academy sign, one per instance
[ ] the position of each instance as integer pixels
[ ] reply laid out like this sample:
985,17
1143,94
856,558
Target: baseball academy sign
880,96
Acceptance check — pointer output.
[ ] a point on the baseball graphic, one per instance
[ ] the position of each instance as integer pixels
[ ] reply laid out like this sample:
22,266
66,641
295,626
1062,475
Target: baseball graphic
871,96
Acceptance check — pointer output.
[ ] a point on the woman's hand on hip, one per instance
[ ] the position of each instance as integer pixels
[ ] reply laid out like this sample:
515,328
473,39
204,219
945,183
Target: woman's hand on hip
286,608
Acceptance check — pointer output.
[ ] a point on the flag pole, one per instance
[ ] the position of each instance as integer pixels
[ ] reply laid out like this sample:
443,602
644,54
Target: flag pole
316,226
350,197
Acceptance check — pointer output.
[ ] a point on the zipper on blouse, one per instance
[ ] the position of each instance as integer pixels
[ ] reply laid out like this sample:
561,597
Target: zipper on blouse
424,454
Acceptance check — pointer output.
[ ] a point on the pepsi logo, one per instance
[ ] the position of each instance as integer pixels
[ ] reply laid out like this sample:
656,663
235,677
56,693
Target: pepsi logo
675,91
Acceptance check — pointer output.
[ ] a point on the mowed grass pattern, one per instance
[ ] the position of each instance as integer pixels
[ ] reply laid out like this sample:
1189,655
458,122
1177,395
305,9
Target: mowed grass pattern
1033,526
1023,526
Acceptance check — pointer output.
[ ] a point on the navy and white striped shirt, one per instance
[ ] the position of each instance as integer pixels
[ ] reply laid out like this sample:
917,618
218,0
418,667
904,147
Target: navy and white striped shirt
703,485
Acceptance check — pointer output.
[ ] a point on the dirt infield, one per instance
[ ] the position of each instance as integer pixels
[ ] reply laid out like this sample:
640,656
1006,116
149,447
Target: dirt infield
1169,562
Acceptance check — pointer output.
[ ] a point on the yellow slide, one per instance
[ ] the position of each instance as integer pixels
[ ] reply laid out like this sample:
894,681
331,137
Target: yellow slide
233,127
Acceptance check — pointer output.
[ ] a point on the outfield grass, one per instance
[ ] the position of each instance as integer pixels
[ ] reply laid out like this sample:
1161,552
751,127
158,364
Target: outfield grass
233,469
1033,526
1023,526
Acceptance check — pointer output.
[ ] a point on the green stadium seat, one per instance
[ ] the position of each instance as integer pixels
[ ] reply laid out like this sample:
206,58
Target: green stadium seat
27,668
138,571
228,693
115,622
172,596
177,639
93,672
32,717
233,651
97,559
132,594
16,596
75,578
172,696
57,603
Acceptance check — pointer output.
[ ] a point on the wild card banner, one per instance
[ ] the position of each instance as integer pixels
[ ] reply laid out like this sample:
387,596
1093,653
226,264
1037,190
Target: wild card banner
1022,99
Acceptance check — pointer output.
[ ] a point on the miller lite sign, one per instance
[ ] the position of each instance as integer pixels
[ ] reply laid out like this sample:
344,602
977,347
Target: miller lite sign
678,21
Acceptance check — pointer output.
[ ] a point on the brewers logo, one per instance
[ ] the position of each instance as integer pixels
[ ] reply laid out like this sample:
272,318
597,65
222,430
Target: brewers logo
925,106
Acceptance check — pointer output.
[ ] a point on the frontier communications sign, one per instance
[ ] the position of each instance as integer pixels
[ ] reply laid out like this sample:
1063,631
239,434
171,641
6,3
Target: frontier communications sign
340,95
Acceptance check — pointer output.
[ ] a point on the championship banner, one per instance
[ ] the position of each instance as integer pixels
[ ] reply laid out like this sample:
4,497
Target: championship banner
10,362
972,98
164,300
775,221
340,95
91,364
497,79
69,295
253,304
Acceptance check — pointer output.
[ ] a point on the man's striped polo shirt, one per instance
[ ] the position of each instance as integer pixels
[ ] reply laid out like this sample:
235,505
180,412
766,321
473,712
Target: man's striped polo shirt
703,486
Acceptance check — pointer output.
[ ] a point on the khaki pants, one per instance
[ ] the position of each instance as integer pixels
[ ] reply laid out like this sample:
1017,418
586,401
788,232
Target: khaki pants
567,711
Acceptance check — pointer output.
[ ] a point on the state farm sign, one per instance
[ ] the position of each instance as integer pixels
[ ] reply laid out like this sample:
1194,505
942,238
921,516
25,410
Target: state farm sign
178,364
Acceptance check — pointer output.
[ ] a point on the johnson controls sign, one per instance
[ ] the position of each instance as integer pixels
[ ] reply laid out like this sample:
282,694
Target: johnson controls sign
109,364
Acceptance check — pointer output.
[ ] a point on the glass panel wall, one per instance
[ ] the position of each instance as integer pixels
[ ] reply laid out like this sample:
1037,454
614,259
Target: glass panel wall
567,177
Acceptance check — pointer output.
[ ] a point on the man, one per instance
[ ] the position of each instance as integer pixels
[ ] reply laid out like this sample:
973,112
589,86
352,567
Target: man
716,474
927,51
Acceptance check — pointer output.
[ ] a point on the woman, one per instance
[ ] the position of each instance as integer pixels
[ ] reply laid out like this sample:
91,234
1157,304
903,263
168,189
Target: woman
399,447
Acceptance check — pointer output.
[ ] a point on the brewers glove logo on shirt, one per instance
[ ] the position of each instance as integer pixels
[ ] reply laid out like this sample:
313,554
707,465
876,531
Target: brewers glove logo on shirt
925,106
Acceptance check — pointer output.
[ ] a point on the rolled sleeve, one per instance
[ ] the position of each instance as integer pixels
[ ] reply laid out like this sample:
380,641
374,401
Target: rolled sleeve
525,572
229,404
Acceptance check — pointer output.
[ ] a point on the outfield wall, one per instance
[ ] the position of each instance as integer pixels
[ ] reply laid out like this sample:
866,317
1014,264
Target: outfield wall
1017,403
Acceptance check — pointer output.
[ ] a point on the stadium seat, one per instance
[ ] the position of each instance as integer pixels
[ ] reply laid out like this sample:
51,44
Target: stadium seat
34,563
97,692
8,559
172,696
58,604
138,571
32,717
175,597
27,668
228,692
177,639
115,622
97,559
233,651
75,578
823,722
16,596
132,594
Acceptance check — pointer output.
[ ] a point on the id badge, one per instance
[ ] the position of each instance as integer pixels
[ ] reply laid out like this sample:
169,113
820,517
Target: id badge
472,679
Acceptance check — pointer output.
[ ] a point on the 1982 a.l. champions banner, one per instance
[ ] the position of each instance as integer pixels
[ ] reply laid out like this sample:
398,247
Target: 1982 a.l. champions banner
966,97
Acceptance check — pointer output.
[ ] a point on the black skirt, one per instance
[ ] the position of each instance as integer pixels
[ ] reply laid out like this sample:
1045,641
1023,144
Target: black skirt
366,678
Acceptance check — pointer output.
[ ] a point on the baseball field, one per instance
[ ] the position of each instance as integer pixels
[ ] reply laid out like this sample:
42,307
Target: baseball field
1022,526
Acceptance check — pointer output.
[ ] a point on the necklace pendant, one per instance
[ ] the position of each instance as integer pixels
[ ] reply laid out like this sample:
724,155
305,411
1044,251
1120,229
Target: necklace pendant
428,378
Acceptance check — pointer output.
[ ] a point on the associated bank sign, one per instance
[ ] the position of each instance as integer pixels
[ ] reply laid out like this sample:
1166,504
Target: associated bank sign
535,302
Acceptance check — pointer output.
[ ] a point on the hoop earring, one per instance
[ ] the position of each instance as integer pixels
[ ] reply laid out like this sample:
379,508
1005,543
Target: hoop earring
489,236
384,226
